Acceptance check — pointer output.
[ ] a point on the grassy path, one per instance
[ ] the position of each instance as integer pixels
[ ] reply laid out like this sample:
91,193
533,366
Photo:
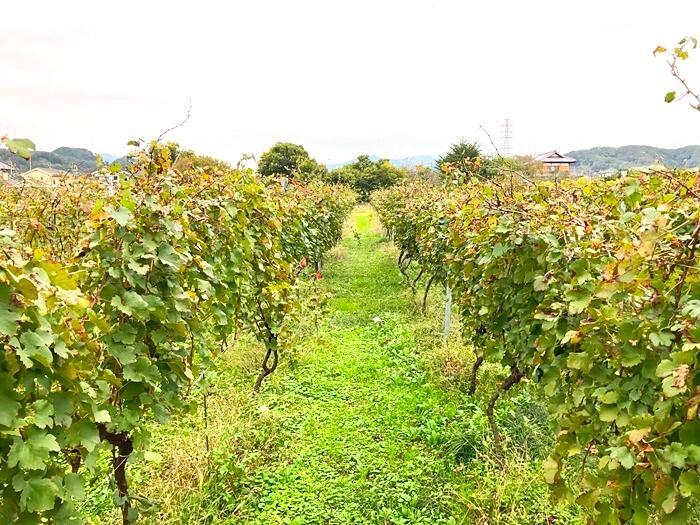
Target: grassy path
365,422
356,410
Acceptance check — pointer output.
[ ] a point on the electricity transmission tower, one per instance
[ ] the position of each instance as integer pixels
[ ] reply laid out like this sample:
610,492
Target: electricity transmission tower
506,136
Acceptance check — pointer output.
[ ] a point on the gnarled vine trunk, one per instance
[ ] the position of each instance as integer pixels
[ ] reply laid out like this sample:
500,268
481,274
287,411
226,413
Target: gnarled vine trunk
415,281
122,447
425,294
513,378
266,368
475,372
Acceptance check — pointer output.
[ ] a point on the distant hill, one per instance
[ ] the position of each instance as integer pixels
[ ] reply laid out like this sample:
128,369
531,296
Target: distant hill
406,162
62,158
108,157
603,158
427,161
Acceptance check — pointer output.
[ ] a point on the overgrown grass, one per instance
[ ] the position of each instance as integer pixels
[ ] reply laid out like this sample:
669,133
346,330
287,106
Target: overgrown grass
366,421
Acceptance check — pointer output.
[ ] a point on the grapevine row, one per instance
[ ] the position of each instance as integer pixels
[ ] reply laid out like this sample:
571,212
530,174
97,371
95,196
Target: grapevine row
111,305
591,290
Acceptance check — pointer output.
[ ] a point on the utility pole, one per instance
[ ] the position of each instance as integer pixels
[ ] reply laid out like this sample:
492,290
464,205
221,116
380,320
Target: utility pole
506,136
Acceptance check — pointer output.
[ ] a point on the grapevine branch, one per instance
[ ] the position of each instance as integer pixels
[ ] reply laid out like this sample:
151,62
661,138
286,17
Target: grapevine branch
680,52
507,169
188,115
689,92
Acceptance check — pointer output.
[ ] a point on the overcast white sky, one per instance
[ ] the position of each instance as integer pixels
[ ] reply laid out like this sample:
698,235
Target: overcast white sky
392,78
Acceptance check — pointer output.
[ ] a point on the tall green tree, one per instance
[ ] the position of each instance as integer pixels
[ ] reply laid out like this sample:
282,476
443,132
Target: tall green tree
290,160
461,156
365,175
284,158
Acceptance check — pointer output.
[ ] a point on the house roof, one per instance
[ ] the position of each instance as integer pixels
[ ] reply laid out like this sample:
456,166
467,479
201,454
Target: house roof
554,157
48,171
4,167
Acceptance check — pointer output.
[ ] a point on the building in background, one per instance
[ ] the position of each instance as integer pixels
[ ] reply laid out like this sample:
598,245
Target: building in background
555,163
6,173
44,177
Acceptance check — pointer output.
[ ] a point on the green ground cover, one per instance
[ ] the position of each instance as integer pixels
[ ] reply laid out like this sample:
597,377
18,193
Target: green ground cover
366,421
